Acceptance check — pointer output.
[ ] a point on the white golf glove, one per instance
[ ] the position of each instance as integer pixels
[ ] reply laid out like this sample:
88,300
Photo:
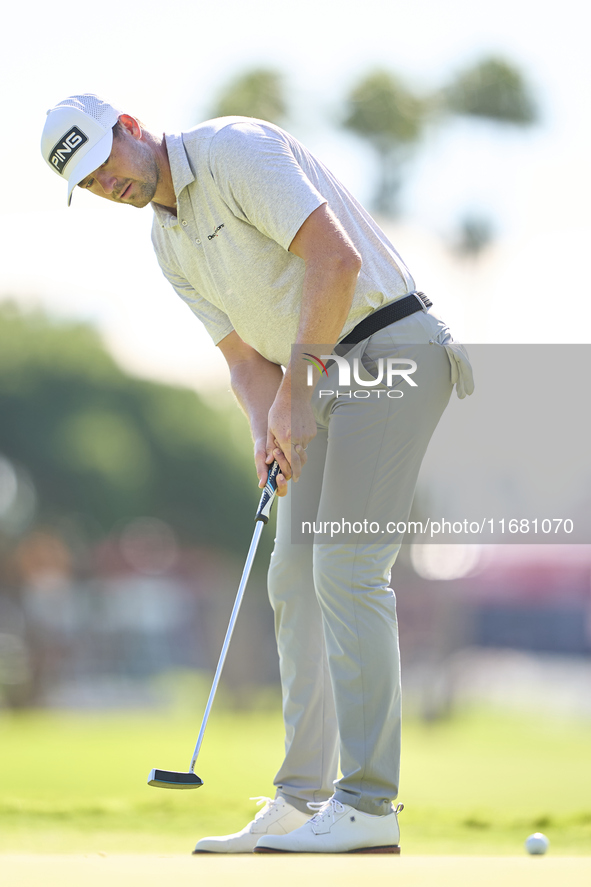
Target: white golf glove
461,369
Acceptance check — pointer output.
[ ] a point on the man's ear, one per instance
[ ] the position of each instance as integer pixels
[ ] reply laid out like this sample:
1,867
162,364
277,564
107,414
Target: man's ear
130,125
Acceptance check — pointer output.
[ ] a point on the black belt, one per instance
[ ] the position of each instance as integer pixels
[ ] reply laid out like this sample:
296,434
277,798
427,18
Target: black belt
385,316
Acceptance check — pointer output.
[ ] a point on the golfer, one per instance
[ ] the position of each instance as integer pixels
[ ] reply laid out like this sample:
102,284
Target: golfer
284,268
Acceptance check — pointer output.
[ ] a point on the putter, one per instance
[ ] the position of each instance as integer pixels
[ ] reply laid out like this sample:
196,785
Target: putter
188,778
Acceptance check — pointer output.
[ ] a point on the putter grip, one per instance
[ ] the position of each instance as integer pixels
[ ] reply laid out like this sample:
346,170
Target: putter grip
268,497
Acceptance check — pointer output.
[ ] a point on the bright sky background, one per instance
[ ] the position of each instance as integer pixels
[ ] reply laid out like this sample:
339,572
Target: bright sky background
94,261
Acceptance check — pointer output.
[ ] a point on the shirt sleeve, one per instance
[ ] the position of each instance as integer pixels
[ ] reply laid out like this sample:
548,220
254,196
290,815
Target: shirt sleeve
261,180
217,324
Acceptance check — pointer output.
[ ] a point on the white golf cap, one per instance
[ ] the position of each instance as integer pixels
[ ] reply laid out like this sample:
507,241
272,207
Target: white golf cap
78,136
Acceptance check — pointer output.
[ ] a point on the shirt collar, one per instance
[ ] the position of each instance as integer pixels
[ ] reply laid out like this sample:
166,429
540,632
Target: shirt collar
181,172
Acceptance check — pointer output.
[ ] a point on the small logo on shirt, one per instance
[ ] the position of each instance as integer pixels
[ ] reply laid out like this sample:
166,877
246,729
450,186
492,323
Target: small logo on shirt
215,233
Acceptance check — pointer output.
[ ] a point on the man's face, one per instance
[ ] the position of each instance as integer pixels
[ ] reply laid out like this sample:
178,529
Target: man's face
129,175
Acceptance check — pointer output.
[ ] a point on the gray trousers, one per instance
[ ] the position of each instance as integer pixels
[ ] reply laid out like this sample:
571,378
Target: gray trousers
335,614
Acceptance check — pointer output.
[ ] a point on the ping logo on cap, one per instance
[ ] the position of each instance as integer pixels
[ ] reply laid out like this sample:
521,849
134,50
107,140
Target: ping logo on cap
66,148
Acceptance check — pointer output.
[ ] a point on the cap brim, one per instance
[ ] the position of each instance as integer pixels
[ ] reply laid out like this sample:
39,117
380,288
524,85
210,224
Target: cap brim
91,161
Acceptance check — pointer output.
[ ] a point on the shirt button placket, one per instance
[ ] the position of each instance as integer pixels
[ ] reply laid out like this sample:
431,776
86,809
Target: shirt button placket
185,223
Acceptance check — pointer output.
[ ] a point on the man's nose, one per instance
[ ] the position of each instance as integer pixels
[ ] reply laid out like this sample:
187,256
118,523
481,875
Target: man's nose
106,180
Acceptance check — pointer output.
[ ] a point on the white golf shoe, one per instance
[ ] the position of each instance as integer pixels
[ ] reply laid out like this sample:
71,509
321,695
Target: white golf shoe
338,828
277,817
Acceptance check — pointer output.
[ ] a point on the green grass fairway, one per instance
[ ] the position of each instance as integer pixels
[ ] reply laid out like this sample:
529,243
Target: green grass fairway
253,871
477,784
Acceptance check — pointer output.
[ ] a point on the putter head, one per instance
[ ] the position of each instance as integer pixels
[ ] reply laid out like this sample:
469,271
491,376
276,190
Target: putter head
174,779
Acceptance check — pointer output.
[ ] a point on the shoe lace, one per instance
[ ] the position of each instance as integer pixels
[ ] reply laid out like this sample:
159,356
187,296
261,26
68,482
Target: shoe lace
269,805
324,809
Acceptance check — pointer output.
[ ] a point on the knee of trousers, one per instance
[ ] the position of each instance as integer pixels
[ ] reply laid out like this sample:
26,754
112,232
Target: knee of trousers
344,574
290,573
298,617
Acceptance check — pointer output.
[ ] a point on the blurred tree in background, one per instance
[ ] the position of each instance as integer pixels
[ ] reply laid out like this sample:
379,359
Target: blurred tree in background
95,441
126,509
383,109
475,233
256,93
494,89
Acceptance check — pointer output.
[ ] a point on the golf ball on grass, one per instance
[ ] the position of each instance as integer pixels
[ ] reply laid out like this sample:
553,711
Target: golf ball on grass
537,844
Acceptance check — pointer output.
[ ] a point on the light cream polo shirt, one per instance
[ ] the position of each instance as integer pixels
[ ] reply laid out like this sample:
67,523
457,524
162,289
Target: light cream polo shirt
244,188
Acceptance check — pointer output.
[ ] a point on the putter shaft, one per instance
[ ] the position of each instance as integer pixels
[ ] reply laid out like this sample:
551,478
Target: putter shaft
241,588
188,779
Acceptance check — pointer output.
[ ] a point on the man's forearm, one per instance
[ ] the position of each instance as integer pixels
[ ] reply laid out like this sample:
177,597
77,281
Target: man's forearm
255,384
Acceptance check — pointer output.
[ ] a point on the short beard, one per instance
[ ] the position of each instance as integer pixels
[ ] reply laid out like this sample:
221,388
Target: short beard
147,187
149,171
146,193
